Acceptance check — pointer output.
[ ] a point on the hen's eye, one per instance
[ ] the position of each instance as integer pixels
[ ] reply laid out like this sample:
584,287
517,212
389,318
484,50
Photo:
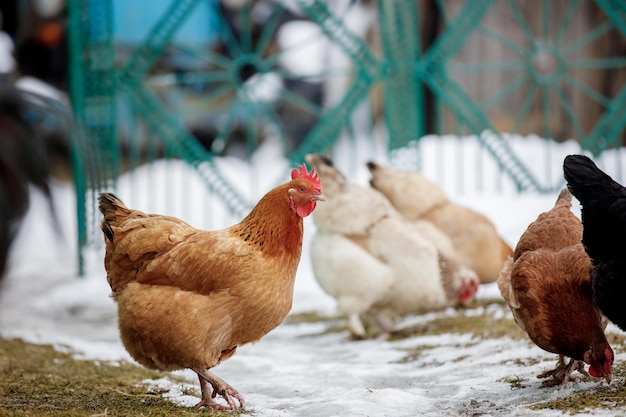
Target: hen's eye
301,189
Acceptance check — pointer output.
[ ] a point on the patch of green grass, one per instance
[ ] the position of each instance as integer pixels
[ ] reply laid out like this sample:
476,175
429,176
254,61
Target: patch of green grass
516,382
486,302
481,326
460,358
307,317
38,380
617,342
414,354
334,324
526,362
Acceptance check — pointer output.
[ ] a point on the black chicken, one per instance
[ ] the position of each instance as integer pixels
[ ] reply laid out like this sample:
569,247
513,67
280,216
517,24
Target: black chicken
23,161
603,204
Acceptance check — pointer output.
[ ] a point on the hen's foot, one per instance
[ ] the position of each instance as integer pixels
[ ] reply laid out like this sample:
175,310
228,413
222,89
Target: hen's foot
562,374
212,405
219,387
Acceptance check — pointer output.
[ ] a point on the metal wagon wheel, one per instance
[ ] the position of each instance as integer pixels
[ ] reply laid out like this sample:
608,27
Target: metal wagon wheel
562,76
246,88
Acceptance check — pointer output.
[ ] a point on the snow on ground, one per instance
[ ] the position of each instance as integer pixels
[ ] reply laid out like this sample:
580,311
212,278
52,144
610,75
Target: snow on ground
298,369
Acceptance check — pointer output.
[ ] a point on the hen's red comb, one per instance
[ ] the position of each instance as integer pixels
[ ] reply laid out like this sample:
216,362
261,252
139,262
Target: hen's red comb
304,174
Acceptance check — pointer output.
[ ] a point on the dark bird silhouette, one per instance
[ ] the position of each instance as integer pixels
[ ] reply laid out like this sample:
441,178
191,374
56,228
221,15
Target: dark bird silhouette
603,213
24,159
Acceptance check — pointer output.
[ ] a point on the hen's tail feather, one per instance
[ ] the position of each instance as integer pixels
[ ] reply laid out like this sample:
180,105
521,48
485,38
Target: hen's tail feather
587,182
565,195
109,205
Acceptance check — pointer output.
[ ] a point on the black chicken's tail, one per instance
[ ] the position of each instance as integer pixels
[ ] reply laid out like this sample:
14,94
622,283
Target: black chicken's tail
589,184
113,210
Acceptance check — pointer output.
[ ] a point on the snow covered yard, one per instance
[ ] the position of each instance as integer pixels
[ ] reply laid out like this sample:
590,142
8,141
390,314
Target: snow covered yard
468,362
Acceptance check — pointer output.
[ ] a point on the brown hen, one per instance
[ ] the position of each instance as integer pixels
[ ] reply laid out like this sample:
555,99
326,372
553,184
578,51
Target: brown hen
547,285
187,298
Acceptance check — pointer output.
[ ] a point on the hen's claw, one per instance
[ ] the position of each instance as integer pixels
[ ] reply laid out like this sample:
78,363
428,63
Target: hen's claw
562,374
219,387
212,405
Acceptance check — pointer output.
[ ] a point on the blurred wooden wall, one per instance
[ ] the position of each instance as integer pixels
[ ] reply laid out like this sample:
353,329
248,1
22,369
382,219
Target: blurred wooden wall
481,48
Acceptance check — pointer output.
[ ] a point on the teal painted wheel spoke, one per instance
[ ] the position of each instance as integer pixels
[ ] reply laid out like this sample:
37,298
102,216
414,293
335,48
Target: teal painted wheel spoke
527,103
481,67
269,30
521,21
566,21
272,61
219,143
187,78
443,11
229,39
213,96
274,118
245,37
545,20
207,56
252,127
203,77
300,103
216,59
326,73
569,111
546,113
588,91
504,91
589,38
515,47
600,63
607,131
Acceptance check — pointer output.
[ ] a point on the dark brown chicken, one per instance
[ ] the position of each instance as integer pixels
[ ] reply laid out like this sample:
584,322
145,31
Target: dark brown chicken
547,285
187,298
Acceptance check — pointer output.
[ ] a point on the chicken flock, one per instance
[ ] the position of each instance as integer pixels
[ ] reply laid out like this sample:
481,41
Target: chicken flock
395,247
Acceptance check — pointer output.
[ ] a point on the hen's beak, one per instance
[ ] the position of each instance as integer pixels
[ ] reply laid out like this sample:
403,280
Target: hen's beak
599,373
318,197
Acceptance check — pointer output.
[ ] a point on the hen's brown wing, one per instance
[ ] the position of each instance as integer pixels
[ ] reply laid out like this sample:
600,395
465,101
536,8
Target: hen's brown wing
553,290
162,250
206,261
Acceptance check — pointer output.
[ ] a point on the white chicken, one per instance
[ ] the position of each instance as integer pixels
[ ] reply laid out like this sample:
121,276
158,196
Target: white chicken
371,260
